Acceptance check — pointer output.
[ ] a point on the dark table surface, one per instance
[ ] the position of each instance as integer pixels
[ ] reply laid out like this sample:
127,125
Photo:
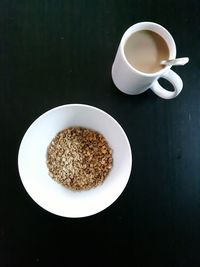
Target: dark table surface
60,52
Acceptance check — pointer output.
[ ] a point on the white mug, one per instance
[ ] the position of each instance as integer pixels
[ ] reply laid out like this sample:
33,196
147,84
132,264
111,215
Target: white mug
132,81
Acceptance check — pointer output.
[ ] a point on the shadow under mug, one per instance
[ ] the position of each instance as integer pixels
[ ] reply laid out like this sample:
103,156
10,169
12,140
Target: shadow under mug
132,81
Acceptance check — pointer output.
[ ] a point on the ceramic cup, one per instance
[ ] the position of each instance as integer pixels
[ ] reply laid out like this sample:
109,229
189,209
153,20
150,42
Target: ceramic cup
132,81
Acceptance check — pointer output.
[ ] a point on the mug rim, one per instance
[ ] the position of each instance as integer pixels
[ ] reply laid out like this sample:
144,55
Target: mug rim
131,31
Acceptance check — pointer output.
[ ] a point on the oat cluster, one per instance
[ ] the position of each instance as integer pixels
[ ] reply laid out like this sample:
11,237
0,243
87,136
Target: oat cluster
79,158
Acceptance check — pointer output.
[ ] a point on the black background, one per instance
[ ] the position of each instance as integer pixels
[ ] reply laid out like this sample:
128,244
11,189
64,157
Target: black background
60,52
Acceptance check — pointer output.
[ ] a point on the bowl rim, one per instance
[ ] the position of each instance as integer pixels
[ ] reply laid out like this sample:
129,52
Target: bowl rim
45,114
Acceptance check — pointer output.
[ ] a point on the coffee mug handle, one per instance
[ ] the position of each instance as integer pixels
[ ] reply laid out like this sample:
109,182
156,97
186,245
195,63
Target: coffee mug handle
174,79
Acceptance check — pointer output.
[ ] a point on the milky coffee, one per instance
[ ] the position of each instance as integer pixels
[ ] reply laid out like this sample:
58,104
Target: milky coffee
145,49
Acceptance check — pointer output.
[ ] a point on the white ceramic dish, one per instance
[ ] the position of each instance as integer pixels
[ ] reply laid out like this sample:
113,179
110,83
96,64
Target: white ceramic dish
33,170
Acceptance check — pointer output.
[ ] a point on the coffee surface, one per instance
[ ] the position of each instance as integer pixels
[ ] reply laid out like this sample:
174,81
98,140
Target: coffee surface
145,49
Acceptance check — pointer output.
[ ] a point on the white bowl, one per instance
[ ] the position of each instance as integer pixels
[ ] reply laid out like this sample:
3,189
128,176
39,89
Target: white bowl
33,170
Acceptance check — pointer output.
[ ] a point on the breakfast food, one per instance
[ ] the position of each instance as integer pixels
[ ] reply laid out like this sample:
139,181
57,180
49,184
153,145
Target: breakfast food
79,158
